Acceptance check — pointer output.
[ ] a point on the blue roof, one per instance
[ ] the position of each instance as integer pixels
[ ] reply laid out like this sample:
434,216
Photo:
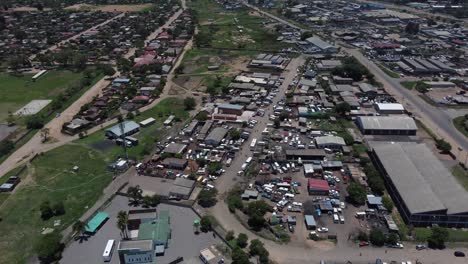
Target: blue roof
310,220
96,222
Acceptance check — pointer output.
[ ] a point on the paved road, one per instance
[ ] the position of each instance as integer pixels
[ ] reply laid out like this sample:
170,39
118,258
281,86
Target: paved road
310,252
35,145
54,47
435,118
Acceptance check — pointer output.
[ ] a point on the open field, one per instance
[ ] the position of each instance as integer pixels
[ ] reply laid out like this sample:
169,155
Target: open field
18,91
388,71
238,30
461,175
455,235
409,84
110,8
50,178
147,135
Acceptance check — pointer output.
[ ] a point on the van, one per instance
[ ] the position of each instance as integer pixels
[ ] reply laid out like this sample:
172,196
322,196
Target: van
228,162
209,186
342,219
336,219
249,159
244,166
360,214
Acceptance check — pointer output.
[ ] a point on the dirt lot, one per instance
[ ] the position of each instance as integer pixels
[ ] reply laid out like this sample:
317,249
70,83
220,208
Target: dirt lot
438,94
110,8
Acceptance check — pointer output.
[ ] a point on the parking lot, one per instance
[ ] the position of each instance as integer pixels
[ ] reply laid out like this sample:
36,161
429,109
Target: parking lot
183,243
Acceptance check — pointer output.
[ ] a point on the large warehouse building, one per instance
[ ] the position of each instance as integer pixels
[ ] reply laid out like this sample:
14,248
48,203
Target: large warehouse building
423,189
387,125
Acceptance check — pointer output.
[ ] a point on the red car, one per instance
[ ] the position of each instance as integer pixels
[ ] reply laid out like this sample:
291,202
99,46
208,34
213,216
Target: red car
363,244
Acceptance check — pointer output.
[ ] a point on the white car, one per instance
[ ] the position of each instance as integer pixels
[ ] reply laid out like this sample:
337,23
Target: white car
322,229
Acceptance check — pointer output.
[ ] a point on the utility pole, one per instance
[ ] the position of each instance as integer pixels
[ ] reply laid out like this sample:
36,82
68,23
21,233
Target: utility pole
122,136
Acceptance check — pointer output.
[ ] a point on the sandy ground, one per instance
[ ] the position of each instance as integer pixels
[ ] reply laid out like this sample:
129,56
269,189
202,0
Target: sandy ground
110,8
26,9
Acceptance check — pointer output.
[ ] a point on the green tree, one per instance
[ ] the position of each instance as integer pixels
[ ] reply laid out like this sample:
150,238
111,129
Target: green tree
357,193
443,145
49,247
234,202
242,240
214,166
388,203
256,247
240,257
229,235
201,116
35,122
205,223
377,237
342,108
6,146
438,238
58,208
135,194
122,221
235,134
362,236
392,239
189,103
10,119
46,210
207,198
79,228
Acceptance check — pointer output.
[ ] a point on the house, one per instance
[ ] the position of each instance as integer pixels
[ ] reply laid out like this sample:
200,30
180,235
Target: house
230,109
216,136
387,125
175,163
182,188
175,148
318,187
76,125
125,128
331,142
305,154
389,108
188,131
249,194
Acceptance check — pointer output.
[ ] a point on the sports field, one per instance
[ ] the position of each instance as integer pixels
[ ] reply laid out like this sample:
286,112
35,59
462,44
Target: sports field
15,92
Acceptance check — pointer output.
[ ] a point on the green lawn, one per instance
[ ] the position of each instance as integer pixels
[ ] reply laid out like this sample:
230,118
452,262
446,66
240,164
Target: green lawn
455,235
388,71
248,33
51,179
147,135
461,175
459,123
409,84
15,92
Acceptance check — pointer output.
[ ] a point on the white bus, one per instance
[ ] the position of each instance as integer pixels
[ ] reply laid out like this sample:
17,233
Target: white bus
253,144
107,255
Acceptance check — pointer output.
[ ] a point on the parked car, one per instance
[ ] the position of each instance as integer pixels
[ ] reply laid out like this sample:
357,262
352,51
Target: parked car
322,229
291,228
459,254
363,244
420,247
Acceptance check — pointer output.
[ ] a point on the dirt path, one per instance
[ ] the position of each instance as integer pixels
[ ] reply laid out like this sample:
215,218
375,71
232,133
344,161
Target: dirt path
35,145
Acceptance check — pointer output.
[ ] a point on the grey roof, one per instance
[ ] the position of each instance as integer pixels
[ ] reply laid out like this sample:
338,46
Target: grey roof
316,41
375,200
421,179
327,140
127,127
206,127
145,245
387,122
184,182
231,106
217,134
175,148
310,220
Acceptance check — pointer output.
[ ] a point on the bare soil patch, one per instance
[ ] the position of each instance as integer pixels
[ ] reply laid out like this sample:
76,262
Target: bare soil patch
110,8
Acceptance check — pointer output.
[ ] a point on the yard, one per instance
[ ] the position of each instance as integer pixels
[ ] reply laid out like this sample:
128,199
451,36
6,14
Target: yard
461,175
147,135
459,123
455,235
409,84
18,91
50,178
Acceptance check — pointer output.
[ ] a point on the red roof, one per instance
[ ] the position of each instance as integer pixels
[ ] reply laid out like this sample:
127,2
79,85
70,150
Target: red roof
318,184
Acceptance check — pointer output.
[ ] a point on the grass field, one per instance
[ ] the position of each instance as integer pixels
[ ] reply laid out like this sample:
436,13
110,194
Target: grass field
409,84
18,91
248,33
455,235
147,135
459,123
50,179
388,71
461,175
